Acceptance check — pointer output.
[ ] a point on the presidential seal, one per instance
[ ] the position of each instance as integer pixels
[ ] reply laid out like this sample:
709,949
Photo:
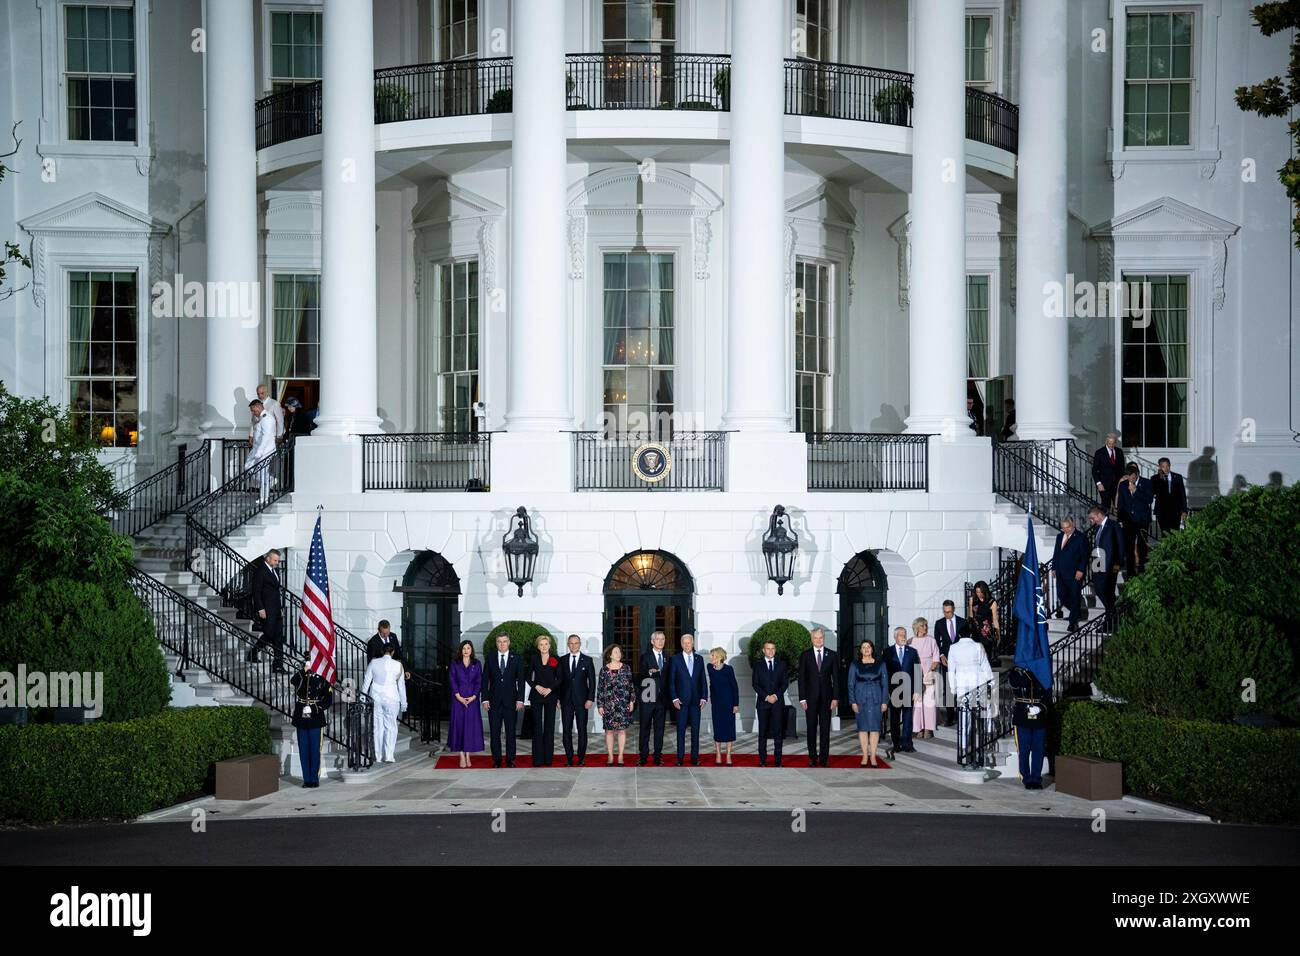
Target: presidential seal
651,462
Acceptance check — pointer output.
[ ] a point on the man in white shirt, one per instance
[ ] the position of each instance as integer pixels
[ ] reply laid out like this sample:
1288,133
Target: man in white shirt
272,408
385,681
968,673
263,446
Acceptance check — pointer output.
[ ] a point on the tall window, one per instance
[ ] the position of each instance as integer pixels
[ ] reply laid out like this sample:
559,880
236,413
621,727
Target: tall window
99,52
1154,389
640,26
979,53
638,39
812,21
638,342
813,302
103,355
457,29
977,327
458,341
1158,79
295,48
296,317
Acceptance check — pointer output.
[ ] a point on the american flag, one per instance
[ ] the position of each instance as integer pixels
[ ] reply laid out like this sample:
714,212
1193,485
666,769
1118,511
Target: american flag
316,620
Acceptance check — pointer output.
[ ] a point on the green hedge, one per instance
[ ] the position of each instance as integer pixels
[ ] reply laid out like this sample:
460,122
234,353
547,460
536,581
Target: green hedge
96,771
63,625
791,639
523,638
1225,770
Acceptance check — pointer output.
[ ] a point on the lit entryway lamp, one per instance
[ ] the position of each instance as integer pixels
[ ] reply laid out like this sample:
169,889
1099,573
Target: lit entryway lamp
779,547
520,547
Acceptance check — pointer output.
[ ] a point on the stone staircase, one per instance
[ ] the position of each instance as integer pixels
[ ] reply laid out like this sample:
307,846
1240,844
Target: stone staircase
1009,525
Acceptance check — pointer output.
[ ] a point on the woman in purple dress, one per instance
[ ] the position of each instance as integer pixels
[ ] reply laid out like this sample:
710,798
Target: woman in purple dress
465,677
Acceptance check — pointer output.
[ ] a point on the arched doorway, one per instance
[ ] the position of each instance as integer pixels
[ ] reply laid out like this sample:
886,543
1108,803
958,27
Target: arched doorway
863,615
647,591
430,617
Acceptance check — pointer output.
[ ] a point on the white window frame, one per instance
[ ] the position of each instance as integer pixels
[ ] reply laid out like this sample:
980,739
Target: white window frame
991,276
269,7
53,140
596,284
826,377
1188,379
68,377
994,15
480,35
1203,133
832,32
268,309
597,32
442,400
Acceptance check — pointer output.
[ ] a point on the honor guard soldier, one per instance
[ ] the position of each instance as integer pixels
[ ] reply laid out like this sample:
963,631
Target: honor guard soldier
1030,720
312,698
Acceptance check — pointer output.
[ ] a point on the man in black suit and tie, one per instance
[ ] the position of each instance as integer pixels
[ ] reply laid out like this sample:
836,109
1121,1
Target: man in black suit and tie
577,692
1170,498
688,686
818,680
1069,564
264,585
503,696
1107,554
947,629
902,663
377,646
1107,469
770,682
652,689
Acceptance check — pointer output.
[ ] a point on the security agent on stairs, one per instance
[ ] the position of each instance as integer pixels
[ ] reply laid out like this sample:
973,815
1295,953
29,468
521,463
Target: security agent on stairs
1030,720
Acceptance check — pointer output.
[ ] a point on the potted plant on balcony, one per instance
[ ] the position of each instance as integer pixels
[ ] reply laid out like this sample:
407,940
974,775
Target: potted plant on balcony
722,86
893,104
392,103
502,101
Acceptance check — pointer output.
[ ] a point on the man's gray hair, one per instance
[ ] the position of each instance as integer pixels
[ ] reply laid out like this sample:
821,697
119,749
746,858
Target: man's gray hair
273,551
817,630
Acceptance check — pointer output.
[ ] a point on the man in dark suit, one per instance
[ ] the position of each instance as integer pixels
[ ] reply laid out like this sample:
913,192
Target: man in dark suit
688,687
770,682
1170,496
818,679
947,629
1069,564
1107,553
902,663
264,585
1134,508
652,702
577,692
503,696
1107,468
377,646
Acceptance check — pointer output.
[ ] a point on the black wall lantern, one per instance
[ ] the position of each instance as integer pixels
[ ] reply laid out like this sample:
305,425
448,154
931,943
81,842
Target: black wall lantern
779,547
520,548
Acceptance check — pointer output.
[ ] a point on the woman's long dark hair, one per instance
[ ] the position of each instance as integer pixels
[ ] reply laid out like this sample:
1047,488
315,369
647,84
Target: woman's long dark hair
982,587
460,653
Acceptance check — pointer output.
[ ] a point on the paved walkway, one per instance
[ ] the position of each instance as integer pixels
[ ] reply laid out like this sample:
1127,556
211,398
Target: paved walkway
412,786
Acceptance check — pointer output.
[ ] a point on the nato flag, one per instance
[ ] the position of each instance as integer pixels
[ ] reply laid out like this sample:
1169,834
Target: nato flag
1033,648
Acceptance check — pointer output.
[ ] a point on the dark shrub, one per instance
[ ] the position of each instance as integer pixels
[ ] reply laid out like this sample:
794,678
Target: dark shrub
791,638
523,638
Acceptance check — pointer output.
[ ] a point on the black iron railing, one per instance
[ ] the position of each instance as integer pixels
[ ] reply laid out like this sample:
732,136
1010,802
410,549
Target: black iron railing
862,461
984,716
433,461
648,81
449,88
165,492
360,730
288,115
697,462
1076,660
1027,474
209,642
246,491
992,120
842,91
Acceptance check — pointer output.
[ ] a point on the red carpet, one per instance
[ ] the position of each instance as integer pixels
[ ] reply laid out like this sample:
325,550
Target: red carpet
484,762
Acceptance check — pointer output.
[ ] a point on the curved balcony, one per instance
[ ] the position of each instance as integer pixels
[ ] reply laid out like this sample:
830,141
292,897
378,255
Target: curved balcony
634,81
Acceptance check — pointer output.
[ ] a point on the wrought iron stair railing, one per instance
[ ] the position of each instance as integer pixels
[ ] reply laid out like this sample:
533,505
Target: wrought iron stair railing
227,573
165,492
1026,474
209,642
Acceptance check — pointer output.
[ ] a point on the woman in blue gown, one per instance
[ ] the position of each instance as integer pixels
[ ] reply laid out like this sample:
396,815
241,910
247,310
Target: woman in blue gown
869,694
724,695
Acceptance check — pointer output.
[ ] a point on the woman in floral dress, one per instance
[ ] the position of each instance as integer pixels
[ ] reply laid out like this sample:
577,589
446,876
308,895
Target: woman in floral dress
615,698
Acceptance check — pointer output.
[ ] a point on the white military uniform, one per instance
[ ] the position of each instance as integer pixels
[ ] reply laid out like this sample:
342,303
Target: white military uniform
385,681
273,408
263,447
968,671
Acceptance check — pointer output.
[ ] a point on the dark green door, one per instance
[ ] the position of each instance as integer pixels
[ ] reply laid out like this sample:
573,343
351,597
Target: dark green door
864,615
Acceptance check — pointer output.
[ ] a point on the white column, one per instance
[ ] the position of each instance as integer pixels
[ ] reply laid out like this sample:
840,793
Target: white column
231,212
937,316
1042,340
349,328
539,346
757,346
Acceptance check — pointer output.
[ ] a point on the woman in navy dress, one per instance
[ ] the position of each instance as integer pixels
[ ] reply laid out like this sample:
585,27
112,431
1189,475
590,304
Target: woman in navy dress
465,677
724,695
869,694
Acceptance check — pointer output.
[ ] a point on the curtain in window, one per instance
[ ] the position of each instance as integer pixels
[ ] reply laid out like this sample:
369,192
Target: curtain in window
288,318
79,325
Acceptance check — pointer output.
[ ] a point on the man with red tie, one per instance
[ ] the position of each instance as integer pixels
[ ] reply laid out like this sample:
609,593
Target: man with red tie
1069,564
1107,470
818,680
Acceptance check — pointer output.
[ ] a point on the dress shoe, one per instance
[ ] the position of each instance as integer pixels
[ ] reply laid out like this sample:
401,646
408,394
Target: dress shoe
510,763
825,763
695,761
496,764
909,749
1072,628
776,763
642,762
659,761
568,761
762,763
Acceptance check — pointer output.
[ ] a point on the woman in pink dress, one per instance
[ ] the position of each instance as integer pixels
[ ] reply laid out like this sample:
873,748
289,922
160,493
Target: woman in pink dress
925,716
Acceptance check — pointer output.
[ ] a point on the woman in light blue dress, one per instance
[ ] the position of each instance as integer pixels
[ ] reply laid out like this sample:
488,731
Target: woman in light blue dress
869,694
